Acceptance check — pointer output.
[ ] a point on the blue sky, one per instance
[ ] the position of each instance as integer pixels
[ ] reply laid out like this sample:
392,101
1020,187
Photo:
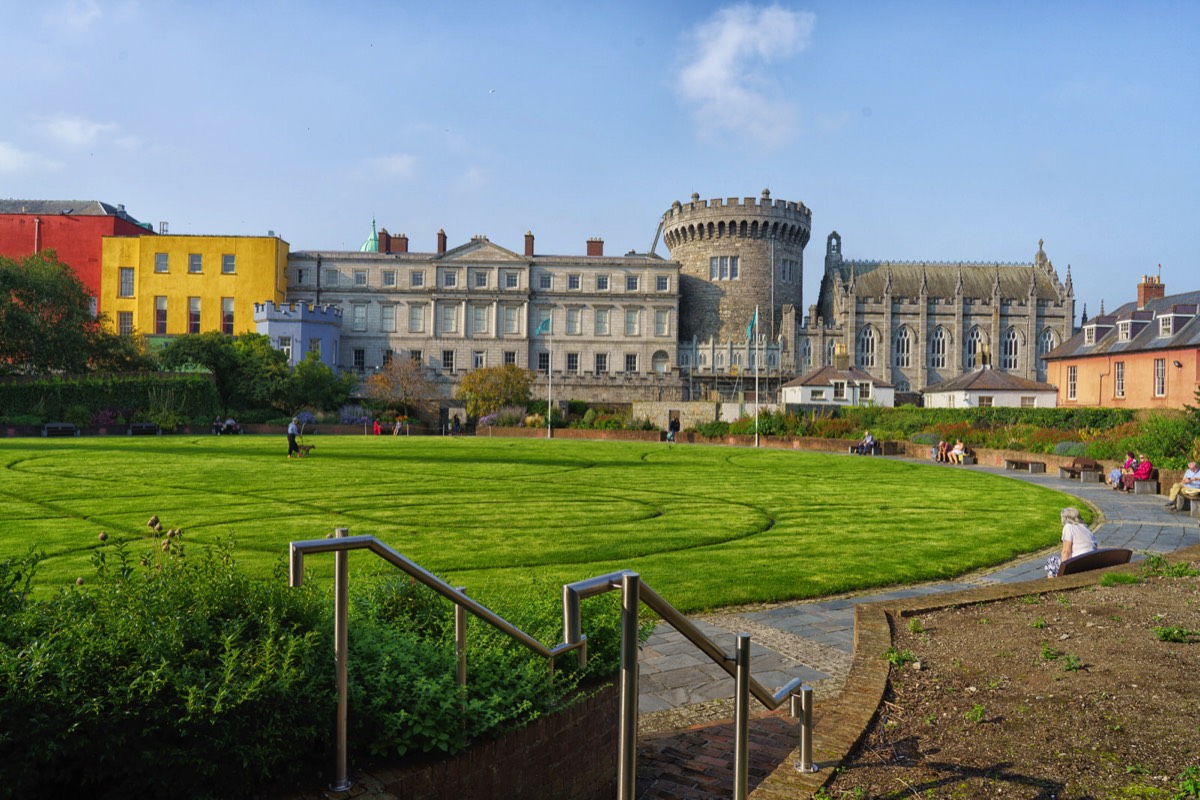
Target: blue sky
917,130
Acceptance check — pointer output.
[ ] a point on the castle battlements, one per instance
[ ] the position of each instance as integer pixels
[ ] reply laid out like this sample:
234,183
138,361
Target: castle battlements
746,205
297,312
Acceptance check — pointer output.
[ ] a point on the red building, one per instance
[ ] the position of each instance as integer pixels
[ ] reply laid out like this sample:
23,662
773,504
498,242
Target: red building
72,228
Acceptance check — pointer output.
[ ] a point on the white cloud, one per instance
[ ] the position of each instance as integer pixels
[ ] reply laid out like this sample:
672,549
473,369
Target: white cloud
726,81
14,159
79,15
400,165
74,131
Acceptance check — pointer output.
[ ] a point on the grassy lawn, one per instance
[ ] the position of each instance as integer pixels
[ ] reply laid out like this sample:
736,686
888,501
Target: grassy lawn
705,526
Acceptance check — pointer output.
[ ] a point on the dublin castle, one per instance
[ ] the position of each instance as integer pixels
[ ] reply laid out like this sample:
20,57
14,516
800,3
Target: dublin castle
602,327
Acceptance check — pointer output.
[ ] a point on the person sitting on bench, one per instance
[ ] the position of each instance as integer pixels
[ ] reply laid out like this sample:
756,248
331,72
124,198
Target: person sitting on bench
1188,488
1076,539
1141,472
866,445
957,452
1114,475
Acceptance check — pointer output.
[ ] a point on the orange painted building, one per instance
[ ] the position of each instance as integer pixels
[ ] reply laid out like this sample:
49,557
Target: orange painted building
1146,354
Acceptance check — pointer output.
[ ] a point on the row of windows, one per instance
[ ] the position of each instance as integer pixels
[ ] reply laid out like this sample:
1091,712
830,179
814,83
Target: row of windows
481,279
902,347
449,320
284,343
1125,332
195,263
125,318
572,362
1160,379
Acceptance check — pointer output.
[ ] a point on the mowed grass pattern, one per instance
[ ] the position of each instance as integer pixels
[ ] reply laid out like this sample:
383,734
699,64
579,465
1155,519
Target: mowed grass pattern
705,526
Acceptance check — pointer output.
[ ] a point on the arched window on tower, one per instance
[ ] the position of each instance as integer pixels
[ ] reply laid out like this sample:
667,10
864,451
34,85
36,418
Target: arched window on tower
1046,342
805,356
867,341
1009,350
937,348
902,348
830,350
975,349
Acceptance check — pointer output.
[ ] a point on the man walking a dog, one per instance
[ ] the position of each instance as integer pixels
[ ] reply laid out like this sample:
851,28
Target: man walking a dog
293,431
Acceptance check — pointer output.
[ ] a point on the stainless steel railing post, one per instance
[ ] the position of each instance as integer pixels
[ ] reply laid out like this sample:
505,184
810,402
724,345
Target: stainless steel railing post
741,719
627,724
460,640
341,606
801,707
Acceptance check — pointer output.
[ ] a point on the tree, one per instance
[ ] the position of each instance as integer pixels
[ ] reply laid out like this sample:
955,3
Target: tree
490,389
403,383
246,371
212,351
46,320
314,384
264,373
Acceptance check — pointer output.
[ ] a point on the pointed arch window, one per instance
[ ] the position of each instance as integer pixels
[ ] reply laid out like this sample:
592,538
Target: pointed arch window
974,349
805,356
902,348
1046,342
830,349
1010,350
867,341
937,348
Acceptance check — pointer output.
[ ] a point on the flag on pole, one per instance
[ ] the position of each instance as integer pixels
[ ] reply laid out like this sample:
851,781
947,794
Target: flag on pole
543,327
753,322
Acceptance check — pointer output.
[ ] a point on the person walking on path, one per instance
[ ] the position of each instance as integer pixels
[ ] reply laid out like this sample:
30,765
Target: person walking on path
1188,488
293,432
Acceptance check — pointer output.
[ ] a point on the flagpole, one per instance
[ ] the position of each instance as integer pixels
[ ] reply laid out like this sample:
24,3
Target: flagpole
755,351
550,383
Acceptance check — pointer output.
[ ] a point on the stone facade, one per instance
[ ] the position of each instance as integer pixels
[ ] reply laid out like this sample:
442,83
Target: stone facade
611,335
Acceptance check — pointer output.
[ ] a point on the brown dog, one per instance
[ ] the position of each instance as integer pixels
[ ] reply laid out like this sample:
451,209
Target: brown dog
306,449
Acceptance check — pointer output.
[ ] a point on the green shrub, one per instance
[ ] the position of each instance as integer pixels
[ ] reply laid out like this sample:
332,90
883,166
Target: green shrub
78,415
1073,449
714,429
151,678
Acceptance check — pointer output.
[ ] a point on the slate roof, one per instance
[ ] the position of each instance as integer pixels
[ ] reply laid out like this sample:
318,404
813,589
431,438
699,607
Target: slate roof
825,376
989,380
941,278
82,208
1186,331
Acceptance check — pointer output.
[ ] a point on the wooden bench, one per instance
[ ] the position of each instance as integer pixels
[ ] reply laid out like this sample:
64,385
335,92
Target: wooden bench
878,448
59,429
144,429
1097,559
1085,470
1028,466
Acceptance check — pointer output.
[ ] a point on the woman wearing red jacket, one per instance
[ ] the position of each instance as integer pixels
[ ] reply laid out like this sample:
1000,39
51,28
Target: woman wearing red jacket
1141,473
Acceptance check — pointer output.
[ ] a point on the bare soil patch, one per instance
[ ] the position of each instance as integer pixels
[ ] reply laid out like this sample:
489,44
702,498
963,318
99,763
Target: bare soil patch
1063,695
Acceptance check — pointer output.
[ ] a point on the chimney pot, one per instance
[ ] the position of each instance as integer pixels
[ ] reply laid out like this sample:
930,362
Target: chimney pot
595,247
1150,288
402,243
441,241
529,243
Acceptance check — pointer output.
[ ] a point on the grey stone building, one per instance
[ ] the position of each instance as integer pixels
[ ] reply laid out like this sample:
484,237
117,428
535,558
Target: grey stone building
611,328
644,327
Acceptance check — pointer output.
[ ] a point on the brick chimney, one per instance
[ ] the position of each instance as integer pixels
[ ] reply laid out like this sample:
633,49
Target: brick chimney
1151,288
529,243
402,243
385,241
441,241
595,247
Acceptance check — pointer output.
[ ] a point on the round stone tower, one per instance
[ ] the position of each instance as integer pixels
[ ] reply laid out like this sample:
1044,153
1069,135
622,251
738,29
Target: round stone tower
736,255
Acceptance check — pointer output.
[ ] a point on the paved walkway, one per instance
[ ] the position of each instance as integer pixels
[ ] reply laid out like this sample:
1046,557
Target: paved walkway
686,694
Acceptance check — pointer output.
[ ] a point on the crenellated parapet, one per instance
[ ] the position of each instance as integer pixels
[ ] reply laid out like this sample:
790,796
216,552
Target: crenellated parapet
745,218
297,312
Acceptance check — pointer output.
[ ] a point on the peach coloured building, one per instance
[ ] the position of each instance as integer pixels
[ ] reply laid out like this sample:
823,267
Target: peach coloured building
1146,354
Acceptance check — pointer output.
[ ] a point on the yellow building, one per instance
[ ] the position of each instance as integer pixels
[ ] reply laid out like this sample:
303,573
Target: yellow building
171,285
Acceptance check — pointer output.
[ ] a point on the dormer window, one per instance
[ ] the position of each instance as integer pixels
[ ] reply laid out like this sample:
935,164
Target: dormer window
1089,334
1123,331
1166,326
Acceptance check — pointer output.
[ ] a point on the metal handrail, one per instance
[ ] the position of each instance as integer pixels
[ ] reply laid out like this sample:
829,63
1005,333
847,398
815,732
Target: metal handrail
633,593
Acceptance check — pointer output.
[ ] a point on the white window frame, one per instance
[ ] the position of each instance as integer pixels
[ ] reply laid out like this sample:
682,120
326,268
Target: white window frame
416,279
228,264
1072,381
416,319
125,282
358,317
195,263
633,321
162,262
1160,377
1119,379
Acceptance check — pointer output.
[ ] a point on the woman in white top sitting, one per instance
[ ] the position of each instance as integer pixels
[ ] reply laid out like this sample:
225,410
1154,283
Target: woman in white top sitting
1076,539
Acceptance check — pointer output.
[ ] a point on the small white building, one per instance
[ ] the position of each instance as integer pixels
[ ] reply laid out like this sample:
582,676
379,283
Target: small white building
832,386
987,387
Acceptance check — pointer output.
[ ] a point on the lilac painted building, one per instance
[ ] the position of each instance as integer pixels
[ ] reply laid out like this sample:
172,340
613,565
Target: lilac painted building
299,329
